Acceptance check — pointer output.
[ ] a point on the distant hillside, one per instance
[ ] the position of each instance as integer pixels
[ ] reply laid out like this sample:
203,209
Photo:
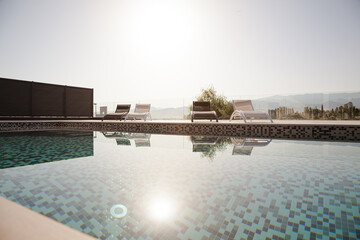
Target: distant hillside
169,113
298,102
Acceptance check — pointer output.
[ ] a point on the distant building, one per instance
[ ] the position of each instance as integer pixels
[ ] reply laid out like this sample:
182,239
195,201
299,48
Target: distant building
272,113
348,105
280,112
307,113
103,110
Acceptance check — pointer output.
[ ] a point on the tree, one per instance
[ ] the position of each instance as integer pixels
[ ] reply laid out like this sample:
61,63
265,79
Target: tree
322,112
337,114
316,113
218,103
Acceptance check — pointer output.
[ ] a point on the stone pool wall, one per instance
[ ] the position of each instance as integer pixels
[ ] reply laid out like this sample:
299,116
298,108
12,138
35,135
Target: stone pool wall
323,132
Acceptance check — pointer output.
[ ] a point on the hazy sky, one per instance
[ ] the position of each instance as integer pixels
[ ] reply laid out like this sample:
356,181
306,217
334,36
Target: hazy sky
158,49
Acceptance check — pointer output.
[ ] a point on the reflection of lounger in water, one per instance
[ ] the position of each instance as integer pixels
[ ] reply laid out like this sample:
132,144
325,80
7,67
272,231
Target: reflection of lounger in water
114,134
140,139
244,146
203,143
121,138
123,141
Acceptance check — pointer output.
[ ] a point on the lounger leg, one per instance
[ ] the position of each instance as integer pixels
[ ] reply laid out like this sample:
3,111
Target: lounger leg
217,120
243,116
243,142
232,115
269,117
192,118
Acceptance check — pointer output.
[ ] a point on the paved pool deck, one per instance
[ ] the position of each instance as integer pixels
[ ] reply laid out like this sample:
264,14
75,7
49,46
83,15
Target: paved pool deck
19,223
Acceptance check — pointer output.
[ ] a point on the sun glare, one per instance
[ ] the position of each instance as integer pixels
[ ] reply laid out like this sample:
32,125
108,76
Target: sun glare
161,208
160,31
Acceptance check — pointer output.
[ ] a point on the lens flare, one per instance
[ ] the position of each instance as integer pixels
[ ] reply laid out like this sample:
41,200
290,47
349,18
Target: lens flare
118,211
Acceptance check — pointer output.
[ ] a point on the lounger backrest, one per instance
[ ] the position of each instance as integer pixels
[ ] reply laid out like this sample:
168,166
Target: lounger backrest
243,105
142,108
121,108
201,106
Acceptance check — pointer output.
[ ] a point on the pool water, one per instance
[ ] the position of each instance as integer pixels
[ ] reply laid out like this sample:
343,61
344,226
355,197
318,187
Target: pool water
141,186
27,148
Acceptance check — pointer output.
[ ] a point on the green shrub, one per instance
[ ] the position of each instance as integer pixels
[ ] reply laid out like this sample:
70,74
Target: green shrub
218,103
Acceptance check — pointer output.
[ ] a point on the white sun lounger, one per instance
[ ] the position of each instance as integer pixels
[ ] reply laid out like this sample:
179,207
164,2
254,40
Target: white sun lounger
142,111
245,110
120,112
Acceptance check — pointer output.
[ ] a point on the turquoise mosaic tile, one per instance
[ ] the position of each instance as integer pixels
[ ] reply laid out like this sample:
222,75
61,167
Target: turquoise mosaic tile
34,147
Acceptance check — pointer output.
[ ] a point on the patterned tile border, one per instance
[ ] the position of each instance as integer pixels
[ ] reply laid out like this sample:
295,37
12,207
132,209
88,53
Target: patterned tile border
323,132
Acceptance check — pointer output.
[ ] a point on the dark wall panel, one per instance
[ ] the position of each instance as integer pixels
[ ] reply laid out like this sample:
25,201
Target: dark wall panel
23,98
79,102
15,98
48,100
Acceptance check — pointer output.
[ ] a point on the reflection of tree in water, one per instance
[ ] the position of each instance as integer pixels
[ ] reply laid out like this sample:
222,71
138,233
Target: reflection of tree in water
209,146
220,146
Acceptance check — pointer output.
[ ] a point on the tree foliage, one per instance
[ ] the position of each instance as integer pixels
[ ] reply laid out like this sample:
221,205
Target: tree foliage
218,103
339,113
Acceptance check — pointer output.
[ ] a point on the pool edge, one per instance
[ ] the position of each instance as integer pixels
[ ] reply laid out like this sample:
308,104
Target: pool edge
289,130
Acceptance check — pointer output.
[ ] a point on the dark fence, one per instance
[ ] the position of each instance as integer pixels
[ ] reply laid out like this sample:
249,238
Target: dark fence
32,99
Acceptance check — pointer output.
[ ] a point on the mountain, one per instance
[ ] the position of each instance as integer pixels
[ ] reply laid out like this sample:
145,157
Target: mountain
298,102
169,113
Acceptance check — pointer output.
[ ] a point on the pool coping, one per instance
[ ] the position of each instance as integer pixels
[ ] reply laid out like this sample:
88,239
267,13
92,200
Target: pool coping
299,130
18,222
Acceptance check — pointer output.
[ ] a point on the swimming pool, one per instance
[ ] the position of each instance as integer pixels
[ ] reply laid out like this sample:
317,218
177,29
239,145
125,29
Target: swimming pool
141,186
